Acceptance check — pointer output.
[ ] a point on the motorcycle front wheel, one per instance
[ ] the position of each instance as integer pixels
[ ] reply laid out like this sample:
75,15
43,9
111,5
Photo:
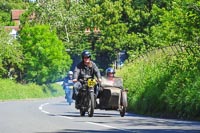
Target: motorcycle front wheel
91,105
82,112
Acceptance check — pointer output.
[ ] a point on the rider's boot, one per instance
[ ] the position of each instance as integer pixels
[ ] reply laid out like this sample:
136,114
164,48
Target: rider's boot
77,104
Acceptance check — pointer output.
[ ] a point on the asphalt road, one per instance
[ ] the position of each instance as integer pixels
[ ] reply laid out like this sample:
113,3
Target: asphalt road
55,116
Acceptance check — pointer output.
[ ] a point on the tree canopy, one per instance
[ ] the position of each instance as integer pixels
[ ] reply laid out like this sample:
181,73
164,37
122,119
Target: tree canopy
45,58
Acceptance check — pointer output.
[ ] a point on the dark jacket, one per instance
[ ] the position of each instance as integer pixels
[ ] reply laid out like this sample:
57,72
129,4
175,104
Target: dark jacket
81,70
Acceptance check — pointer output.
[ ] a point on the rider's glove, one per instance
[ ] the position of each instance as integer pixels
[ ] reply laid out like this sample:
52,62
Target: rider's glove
99,80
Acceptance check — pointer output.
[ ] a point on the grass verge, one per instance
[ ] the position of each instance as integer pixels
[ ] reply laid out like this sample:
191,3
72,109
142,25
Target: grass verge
10,90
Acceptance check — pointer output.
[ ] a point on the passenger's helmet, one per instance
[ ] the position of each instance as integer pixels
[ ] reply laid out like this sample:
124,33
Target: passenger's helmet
110,71
85,53
70,73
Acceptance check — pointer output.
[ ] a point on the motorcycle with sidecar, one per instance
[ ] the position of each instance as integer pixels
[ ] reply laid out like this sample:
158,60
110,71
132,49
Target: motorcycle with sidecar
112,96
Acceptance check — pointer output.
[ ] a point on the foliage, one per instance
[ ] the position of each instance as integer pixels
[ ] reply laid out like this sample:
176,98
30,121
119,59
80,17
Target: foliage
68,18
10,90
182,91
45,58
106,43
133,26
180,24
10,56
5,10
163,84
146,83
63,15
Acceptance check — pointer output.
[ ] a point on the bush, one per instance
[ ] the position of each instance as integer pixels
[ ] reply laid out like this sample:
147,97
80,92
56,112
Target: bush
163,85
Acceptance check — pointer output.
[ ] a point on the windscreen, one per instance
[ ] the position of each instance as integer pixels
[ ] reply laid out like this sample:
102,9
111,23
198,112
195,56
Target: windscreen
115,82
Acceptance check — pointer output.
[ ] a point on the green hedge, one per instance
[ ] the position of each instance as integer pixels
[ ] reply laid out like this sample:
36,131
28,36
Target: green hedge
164,85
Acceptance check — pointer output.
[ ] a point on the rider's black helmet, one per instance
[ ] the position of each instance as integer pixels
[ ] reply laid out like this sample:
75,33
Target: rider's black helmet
110,70
85,53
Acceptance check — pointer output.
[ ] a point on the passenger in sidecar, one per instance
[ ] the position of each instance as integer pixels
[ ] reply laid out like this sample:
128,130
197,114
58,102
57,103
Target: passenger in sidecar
113,96
111,80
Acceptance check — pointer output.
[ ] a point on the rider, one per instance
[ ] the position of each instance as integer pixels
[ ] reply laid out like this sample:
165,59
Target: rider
85,67
68,87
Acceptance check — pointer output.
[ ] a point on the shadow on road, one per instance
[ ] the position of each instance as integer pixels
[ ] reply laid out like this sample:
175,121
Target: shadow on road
120,131
74,114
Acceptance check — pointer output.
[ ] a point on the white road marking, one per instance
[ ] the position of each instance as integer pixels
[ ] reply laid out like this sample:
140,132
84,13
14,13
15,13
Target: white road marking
41,108
46,112
65,117
103,125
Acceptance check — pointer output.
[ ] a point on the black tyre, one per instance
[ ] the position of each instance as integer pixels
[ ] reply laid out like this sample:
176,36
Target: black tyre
123,103
122,111
82,112
91,105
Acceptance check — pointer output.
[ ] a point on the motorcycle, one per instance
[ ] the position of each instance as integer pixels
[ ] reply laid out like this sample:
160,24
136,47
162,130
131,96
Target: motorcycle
68,92
86,96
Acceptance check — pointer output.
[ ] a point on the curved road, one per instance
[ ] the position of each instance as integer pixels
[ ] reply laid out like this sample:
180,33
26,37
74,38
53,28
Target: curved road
55,116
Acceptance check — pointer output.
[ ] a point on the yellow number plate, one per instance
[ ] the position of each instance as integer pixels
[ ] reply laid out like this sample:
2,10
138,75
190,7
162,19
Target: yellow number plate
91,82
71,87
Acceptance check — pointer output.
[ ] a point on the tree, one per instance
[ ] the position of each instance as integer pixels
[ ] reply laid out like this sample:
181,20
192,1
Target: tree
65,16
180,24
106,16
128,25
10,56
45,57
5,10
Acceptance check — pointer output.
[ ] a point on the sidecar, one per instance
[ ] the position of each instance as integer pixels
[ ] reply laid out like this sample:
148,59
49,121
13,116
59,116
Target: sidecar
113,96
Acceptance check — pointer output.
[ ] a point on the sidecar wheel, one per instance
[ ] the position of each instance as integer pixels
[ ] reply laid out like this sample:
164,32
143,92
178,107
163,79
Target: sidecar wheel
91,105
123,111
123,103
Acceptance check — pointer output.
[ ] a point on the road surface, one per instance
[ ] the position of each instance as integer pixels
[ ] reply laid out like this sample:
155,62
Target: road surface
54,115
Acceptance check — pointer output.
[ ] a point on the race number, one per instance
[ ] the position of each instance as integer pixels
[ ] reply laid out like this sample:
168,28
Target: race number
91,82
